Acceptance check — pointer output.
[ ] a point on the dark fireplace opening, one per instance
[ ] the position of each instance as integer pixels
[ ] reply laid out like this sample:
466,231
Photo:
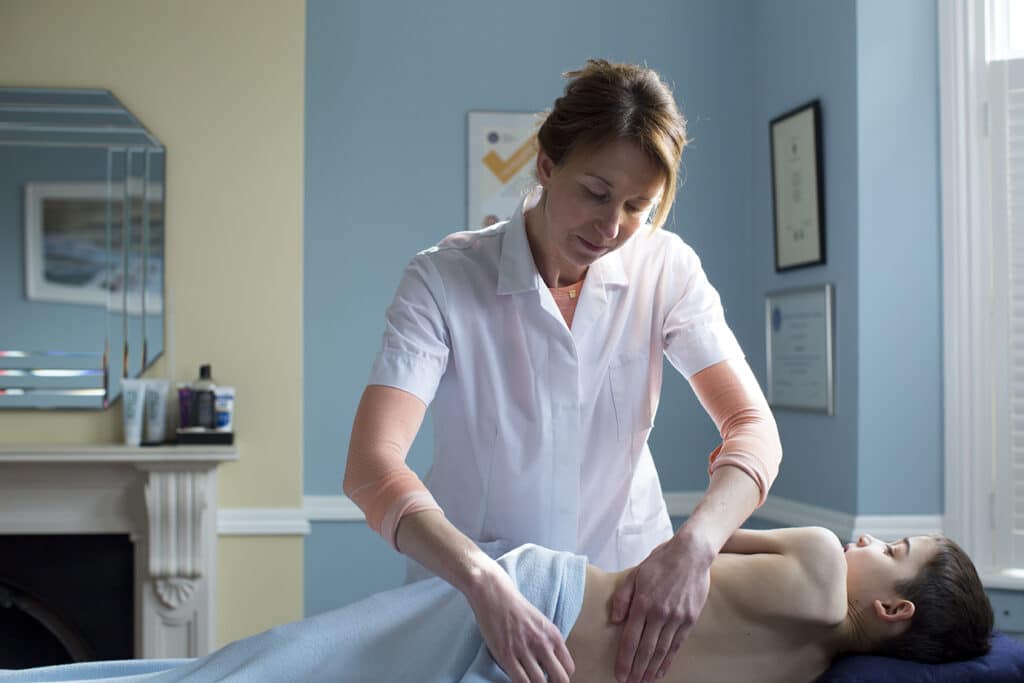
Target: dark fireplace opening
65,598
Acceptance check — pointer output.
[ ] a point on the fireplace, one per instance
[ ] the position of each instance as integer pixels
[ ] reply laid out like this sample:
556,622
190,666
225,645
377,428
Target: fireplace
65,598
129,532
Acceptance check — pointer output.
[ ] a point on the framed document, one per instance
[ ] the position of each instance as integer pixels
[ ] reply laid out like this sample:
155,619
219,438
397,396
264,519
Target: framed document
502,153
797,189
800,348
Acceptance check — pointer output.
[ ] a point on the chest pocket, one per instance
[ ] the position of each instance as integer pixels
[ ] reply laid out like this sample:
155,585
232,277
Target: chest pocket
629,376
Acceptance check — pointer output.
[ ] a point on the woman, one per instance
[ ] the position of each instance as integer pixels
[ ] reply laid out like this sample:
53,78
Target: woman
782,605
537,342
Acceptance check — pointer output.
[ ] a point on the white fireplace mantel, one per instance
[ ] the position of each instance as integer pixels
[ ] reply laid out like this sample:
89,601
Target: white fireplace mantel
163,497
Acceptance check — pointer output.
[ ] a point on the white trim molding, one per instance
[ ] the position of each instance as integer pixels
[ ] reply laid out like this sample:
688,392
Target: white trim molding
331,509
966,267
682,503
262,522
1007,579
846,526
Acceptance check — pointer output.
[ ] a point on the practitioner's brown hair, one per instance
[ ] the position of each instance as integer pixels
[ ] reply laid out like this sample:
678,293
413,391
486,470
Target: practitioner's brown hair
604,102
952,614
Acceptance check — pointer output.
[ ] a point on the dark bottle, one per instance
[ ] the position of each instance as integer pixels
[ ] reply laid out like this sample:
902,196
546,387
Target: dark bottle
203,411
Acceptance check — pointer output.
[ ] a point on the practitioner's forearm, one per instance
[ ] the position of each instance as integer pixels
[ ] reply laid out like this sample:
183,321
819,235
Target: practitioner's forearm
728,502
430,539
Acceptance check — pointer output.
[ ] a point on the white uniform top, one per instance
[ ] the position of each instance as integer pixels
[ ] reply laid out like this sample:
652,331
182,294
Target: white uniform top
540,432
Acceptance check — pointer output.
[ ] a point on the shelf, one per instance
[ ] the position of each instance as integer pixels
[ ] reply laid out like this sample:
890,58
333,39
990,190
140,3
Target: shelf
115,453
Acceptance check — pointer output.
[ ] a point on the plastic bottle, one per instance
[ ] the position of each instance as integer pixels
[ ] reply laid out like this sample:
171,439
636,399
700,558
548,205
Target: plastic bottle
203,400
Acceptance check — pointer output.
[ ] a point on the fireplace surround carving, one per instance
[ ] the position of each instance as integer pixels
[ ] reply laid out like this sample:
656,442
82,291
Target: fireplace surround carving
164,498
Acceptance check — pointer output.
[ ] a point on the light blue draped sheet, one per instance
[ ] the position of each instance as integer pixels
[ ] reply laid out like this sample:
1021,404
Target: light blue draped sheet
424,631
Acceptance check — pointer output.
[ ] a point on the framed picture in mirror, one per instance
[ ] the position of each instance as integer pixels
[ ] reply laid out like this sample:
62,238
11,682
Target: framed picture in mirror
74,232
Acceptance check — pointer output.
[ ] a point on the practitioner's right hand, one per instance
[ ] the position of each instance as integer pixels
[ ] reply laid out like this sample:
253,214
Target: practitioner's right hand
524,642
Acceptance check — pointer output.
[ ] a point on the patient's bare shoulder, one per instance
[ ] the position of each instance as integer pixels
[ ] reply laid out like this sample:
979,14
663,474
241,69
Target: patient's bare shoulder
797,573
820,554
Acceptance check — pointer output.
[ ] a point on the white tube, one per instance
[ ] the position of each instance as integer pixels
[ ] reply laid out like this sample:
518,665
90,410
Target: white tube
156,410
224,408
131,400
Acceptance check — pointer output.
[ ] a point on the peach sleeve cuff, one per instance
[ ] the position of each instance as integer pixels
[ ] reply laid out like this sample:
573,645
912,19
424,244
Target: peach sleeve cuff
387,498
732,397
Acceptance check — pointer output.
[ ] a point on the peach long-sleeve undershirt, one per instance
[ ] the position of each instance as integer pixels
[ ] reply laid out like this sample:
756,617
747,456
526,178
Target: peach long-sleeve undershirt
385,489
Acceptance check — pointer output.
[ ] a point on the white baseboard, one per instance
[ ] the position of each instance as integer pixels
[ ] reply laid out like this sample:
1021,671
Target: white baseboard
681,503
891,527
262,522
331,509
777,510
785,512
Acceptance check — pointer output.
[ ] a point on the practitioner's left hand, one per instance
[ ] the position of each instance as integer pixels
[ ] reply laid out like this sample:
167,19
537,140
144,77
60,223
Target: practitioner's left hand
660,602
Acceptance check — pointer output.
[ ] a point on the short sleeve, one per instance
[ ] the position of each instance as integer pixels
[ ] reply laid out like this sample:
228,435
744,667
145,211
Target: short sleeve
414,349
695,334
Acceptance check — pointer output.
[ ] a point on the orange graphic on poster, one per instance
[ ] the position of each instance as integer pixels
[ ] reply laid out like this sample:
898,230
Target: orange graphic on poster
505,169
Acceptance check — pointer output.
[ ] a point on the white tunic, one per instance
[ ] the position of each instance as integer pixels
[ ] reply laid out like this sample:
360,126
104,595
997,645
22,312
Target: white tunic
540,432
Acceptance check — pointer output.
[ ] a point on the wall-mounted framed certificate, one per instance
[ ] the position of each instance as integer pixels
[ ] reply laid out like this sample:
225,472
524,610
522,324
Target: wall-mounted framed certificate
800,349
797,188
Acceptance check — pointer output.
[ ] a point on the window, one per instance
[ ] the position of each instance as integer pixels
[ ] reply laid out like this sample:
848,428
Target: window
982,140
1005,67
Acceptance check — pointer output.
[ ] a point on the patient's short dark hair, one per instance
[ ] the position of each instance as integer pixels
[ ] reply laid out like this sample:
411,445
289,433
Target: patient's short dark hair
952,616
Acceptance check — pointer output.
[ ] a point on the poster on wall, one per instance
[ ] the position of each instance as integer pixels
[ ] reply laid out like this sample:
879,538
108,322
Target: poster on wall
502,154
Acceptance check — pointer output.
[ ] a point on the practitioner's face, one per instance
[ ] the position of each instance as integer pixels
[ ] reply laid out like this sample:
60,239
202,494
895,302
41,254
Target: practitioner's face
595,202
873,568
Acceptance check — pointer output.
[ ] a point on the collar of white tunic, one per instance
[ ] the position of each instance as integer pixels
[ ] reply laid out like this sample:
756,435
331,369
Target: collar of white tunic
517,270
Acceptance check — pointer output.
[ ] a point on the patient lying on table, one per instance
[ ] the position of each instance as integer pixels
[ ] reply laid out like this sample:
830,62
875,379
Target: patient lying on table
782,605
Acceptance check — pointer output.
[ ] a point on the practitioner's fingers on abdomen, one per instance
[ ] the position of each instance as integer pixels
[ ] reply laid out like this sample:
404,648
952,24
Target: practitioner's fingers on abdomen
561,651
629,642
534,673
677,642
661,652
556,671
645,652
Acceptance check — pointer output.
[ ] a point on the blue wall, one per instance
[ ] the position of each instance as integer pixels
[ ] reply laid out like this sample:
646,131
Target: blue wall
805,50
900,319
388,88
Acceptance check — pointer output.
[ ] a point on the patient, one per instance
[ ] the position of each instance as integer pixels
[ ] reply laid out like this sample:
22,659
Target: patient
782,605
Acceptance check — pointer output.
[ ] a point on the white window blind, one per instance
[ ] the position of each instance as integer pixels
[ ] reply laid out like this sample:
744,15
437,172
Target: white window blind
1006,120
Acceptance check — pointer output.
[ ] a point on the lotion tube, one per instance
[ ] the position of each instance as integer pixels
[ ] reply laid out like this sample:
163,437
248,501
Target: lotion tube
156,410
132,391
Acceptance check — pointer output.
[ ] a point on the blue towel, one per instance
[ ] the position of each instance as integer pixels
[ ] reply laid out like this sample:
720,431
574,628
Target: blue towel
424,631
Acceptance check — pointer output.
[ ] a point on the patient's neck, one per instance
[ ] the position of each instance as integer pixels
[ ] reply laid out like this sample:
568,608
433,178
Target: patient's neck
854,635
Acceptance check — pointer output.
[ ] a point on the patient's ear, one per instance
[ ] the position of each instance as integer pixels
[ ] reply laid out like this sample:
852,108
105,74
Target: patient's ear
893,611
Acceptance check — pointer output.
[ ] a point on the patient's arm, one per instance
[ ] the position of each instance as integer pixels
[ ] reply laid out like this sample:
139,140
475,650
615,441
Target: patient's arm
806,566
777,541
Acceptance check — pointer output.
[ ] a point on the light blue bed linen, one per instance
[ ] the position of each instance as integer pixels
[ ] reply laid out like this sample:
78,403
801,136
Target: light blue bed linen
422,632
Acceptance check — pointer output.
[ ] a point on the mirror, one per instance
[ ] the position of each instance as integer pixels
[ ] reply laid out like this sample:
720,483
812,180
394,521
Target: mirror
81,248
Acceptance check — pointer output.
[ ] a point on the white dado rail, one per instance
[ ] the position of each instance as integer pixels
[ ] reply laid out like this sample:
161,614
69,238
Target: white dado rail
164,498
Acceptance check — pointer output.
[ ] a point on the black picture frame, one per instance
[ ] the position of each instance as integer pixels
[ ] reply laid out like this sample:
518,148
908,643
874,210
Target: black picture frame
798,215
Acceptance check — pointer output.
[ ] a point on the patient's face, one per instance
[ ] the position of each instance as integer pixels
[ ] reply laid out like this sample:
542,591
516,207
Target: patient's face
874,567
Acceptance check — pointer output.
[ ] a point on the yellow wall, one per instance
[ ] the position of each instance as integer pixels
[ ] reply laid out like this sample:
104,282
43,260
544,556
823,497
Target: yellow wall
221,85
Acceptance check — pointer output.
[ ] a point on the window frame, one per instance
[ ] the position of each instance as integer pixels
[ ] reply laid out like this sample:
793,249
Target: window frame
970,329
